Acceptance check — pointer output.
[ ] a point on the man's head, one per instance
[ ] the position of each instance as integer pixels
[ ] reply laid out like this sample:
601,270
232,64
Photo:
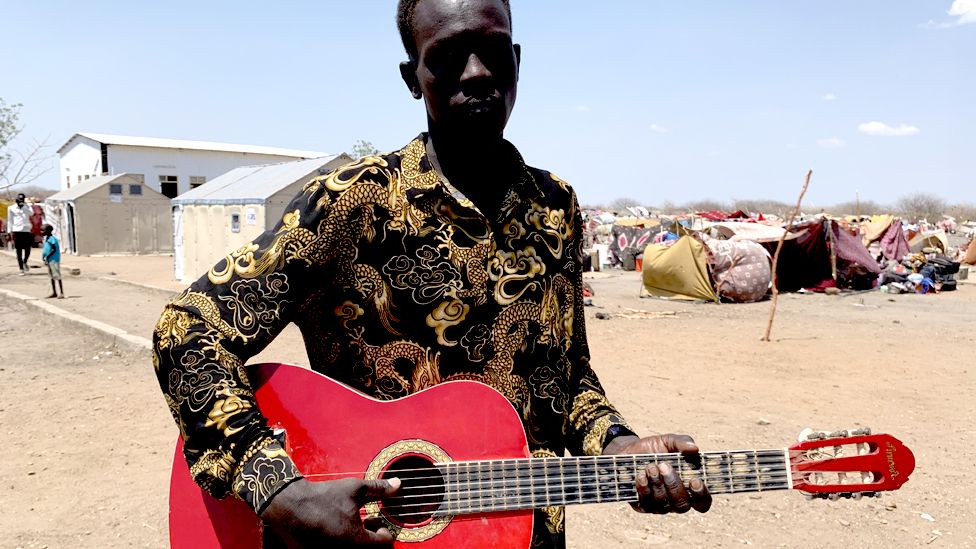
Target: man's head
462,62
20,199
48,230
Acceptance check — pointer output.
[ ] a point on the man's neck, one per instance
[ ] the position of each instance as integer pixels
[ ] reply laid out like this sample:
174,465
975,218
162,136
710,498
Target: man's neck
481,171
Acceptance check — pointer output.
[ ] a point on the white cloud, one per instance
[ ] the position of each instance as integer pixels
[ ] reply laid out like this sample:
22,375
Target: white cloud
656,128
830,97
963,10
582,108
831,143
884,130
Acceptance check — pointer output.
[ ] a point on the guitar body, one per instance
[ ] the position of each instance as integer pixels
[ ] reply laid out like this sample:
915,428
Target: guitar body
331,429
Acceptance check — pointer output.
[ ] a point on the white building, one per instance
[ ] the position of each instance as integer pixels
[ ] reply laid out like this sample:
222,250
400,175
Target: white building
235,208
169,166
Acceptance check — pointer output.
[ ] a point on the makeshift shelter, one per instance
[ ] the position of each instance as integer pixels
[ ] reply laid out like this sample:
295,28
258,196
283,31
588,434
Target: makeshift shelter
823,255
736,230
741,269
629,240
678,271
111,214
929,239
233,209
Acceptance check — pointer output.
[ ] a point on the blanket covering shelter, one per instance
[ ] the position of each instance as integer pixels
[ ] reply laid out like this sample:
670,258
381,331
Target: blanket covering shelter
629,241
678,271
823,255
894,245
741,269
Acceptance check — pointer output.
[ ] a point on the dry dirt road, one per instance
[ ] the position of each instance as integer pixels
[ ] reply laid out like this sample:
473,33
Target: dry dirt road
89,440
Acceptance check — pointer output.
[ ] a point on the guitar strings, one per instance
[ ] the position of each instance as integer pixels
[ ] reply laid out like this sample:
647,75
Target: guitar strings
609,462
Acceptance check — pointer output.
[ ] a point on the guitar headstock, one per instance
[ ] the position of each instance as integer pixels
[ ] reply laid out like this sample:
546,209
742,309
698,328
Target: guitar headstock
849,463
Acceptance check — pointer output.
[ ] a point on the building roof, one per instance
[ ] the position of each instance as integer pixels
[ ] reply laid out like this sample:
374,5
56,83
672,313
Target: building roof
158,142
81,189
255,184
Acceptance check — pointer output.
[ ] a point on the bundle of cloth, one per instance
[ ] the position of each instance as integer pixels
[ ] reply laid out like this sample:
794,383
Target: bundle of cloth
920,273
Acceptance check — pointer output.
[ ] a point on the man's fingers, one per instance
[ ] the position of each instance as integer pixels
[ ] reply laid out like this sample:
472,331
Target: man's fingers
701,500
676,492
681,443
381,537
657,502
378,489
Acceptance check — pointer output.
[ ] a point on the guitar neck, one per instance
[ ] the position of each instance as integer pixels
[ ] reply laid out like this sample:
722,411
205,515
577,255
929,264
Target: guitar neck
509,485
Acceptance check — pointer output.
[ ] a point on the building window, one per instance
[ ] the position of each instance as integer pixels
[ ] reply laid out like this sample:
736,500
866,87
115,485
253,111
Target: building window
67,180
79,178
86,177
235,223
135,189
168,185
197,180
115,188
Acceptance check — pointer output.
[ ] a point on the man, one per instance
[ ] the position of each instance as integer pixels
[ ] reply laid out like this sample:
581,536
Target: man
19,224
51,254
448,259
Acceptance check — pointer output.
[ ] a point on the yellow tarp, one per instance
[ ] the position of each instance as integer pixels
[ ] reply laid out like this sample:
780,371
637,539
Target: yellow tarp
677,272
875,229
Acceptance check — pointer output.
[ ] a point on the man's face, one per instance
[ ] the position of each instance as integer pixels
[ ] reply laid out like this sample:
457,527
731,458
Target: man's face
20,200
466,67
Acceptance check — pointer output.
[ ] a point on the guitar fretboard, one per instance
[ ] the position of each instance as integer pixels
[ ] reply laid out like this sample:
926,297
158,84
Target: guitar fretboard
508,485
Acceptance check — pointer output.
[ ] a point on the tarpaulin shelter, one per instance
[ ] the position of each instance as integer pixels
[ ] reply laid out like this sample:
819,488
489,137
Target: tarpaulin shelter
741,269
894,245
929,239
735,230
678,271
823,255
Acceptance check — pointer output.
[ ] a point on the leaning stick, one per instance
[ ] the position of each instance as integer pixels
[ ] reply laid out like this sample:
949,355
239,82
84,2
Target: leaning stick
779,247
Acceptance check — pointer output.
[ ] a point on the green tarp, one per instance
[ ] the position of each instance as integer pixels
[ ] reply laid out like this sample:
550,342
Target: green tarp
679,271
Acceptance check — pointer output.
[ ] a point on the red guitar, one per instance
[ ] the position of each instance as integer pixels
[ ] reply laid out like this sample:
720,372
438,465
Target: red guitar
462,455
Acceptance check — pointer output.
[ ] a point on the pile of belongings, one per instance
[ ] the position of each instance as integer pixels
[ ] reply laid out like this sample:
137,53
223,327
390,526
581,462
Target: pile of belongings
919,273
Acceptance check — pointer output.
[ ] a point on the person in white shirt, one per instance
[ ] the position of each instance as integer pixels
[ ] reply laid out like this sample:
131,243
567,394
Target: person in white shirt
19,224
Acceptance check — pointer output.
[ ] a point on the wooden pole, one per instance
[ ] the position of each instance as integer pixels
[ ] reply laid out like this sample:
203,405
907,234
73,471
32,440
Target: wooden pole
779,247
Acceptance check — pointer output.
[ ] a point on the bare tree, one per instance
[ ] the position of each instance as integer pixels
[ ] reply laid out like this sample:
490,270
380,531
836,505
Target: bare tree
705,205
621,204
863,207
762,205
962,212
18,166
921,206
363,148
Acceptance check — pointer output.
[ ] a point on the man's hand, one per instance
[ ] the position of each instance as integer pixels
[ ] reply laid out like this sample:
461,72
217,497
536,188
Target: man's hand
326,514
659,487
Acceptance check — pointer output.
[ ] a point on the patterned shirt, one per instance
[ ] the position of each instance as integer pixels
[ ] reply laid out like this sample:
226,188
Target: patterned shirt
397,282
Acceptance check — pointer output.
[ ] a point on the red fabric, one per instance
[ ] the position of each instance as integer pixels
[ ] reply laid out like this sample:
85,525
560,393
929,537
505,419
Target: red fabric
894,245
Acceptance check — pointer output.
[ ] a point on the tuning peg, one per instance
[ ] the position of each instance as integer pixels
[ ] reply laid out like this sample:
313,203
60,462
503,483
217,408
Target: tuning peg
862,431
833,497
838,434
858,495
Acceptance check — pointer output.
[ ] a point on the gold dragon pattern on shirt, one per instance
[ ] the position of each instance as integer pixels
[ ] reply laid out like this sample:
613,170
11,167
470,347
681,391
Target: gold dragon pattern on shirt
397,282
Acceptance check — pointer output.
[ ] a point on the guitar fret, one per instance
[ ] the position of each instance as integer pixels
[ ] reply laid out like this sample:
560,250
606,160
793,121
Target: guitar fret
757,473
579,480
562,484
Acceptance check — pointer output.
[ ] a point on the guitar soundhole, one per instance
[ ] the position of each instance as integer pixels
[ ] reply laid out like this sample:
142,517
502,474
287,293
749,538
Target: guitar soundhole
421,493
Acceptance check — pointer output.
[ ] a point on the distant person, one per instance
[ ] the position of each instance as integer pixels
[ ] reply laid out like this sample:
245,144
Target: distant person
19,223
51,254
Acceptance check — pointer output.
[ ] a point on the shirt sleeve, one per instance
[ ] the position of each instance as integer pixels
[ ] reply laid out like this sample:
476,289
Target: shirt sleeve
208,332
592,420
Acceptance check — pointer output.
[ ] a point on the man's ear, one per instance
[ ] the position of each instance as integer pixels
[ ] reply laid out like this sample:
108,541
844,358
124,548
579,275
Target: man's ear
408,72
518,58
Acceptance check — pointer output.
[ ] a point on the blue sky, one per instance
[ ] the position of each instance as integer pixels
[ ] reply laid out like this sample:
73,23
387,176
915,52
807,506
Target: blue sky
659,101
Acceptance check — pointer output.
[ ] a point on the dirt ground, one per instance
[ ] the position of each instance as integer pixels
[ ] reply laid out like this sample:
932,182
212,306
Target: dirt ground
90,441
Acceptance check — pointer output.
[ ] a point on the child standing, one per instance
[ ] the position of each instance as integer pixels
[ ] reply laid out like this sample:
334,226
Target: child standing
51,254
